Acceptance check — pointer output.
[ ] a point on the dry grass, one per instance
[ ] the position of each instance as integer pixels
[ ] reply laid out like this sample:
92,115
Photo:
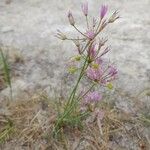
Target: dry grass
30,125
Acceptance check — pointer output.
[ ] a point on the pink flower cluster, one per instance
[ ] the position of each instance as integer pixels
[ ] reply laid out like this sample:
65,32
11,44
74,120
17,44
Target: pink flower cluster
94,50
102,73
91,50
92,97
90,34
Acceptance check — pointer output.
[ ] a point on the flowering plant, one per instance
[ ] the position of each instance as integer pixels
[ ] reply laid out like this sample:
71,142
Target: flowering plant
93,67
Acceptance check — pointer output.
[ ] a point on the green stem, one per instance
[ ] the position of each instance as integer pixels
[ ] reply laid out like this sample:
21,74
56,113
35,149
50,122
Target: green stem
6,71
75,88
70,105
87,22
98,25
79,75
80,31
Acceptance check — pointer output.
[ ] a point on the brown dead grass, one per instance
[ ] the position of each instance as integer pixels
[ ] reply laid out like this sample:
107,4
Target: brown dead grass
33,121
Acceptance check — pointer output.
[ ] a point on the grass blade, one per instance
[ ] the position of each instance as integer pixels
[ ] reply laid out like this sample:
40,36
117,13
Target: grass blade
6,70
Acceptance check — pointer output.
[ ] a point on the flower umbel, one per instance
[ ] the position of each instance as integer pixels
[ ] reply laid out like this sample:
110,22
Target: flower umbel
95,74
87,64
102,73
92,97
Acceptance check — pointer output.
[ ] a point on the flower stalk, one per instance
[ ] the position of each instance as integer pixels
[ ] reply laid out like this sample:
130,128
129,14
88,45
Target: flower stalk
90,65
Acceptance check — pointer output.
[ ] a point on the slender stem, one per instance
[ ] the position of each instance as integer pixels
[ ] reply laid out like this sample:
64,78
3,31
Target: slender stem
79,31
82,73
87,22
6,72
79,75
70,108
72,95
82,39
98,25
74,89
89,42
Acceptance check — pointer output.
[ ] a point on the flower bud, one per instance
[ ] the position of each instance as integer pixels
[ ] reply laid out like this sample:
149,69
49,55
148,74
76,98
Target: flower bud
110,86
85,8
95,66
72,69
78,58
103,11
71,19
114,17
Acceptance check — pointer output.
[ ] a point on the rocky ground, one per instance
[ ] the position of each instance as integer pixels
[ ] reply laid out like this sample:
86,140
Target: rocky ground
27,29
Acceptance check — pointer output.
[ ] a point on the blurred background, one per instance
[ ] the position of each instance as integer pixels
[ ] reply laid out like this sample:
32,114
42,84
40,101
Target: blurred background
27,29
